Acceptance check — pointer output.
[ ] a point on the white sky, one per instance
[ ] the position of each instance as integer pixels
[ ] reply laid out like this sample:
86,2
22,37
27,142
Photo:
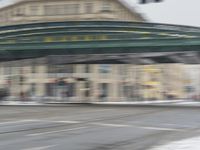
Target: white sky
184,12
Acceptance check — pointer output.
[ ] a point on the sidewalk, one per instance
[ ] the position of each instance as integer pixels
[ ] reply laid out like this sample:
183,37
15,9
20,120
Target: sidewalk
161,103
172,103
17,103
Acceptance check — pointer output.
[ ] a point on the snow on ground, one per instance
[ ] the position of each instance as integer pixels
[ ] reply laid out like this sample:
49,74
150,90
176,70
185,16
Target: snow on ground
18,103
186,144
144,102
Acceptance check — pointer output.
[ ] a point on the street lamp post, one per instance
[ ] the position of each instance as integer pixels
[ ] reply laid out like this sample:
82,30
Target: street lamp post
21,82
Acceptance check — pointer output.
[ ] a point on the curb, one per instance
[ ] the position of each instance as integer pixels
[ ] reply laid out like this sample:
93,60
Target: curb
177,104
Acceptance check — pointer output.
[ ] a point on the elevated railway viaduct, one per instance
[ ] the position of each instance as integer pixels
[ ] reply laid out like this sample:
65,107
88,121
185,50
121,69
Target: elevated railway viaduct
97,41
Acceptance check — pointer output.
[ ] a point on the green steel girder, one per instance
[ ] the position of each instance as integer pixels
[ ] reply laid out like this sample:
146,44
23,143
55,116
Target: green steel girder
102,44
95,25
27,40
166,27
46,52
144,31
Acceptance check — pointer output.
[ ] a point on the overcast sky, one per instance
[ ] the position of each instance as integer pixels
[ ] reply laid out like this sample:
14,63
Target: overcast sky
184,12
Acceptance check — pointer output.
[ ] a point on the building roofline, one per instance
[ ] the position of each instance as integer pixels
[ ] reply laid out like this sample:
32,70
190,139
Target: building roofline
11,5
125,4
132,9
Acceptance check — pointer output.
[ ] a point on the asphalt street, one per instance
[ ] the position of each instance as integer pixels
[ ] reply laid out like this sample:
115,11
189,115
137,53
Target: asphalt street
85,127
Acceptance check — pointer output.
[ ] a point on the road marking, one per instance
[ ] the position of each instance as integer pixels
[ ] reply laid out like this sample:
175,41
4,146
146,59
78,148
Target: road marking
136,126
58,131
96,110
178,125
62,121
159,128
111,125
19,121
40,148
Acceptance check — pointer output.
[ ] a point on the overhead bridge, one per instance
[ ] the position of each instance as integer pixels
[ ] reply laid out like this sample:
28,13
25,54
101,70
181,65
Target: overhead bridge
100,41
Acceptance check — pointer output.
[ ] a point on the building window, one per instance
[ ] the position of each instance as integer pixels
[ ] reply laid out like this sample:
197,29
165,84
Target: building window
7,70
61,69
50,89
75,8
89,8
34,10
104,68
106,6
87,68
59,10
103,90
49,10
52,10
19,12
87,89
71,90
71,9
33,89
34,69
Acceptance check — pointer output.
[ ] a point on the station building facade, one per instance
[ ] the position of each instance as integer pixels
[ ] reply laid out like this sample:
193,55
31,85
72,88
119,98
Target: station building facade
38,79
76,82
28,11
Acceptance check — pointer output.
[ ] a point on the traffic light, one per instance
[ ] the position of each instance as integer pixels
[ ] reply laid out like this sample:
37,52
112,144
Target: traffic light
147,1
